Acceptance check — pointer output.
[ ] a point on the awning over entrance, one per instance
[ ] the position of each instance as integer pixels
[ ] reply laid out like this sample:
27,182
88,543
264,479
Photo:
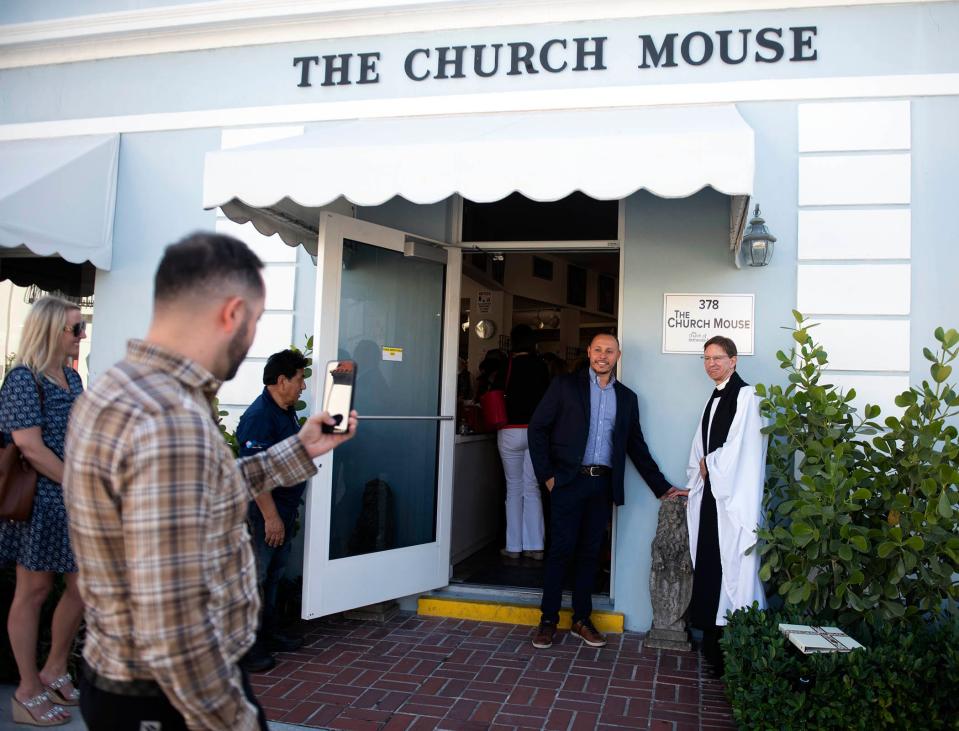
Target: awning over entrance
607,154
57,197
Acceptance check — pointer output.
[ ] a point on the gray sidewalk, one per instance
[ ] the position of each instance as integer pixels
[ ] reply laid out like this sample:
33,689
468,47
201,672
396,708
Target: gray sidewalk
76,723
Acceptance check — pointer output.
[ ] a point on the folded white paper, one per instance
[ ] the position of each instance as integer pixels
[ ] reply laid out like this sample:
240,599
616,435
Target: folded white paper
810,639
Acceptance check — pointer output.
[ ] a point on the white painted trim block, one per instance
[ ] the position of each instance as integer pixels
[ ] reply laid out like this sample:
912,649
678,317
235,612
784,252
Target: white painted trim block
872,389
280,281
865,345
847,126
245,385
274,332
855,179
855,234
856,289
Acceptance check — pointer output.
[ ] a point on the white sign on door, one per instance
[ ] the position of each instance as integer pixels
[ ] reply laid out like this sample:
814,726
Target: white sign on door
483,302
689,320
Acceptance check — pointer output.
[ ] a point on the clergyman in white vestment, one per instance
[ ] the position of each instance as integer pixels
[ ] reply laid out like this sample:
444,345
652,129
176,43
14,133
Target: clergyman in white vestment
726,474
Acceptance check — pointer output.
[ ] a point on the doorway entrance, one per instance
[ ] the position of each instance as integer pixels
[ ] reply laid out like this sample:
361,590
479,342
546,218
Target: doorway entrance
564,297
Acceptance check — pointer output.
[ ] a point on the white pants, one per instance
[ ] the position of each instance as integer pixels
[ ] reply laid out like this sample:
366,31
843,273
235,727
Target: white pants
524,507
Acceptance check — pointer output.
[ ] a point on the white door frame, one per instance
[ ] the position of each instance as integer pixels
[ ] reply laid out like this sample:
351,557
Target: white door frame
331,586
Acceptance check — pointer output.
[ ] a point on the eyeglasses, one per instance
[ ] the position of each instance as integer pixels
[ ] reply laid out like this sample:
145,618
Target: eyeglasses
714,358
78,328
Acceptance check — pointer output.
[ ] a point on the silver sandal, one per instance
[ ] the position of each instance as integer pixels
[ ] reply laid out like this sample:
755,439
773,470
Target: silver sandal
59,696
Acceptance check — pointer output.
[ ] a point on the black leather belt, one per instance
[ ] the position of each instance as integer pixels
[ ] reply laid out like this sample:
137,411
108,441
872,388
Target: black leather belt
140,688
595,470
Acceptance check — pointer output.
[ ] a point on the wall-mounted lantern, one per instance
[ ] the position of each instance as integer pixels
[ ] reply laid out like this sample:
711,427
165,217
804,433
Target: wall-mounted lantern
758,241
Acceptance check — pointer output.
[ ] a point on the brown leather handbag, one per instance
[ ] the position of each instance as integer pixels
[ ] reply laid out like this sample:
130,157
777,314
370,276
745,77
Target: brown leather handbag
18,479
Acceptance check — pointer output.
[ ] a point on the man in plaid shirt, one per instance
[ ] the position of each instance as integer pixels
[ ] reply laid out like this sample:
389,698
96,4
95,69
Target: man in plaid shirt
158,503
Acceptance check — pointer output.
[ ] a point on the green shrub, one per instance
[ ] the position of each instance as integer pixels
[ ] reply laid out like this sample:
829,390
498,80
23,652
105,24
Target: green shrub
858,528
904,679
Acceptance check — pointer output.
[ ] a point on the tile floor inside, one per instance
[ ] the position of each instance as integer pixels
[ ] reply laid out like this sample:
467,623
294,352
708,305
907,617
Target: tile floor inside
428,673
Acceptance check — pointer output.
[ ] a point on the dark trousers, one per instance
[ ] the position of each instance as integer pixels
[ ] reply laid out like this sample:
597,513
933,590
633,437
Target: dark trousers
579,513
106,711
270,567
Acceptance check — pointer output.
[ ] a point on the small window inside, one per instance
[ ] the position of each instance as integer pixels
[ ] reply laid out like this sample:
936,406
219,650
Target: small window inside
575,286
542,268
577,217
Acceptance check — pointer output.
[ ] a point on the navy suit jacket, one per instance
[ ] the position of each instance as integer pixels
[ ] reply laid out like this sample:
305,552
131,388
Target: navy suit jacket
560,427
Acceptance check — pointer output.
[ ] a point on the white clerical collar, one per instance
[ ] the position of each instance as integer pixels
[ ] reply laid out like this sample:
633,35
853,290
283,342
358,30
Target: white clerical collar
722,385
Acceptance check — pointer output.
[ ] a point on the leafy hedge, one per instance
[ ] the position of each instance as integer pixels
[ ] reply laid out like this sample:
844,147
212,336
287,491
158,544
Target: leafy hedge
861,528
905,679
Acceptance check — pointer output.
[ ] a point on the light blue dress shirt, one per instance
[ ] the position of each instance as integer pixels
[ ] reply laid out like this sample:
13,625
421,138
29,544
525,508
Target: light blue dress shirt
602,418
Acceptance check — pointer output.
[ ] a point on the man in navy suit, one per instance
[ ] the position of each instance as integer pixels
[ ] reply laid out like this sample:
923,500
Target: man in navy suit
579,437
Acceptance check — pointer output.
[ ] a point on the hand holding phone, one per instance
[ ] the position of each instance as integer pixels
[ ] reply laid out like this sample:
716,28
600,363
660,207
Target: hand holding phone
318,438
338,394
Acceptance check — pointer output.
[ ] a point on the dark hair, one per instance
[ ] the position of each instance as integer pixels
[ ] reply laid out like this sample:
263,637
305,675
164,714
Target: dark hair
728,346
522,339
204,262
285,363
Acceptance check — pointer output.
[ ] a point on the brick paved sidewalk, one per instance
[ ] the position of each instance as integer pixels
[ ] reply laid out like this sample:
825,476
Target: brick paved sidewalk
428,673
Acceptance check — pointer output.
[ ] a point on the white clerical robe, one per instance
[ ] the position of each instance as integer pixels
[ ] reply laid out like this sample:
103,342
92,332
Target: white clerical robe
737,472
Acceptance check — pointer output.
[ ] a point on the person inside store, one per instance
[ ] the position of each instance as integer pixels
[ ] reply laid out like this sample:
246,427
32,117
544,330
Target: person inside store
158,505
491,370
269,420
35,403
579,437
524,381
726,473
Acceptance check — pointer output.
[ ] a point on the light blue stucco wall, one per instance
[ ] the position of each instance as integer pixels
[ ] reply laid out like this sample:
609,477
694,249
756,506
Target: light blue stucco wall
935,235
850,41
682,246
159,194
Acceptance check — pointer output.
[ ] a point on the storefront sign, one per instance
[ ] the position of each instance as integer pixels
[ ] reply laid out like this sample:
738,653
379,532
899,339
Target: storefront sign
562,55
689,320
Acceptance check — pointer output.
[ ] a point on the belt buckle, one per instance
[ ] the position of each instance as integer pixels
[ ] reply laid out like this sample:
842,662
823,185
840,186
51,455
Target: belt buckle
594,470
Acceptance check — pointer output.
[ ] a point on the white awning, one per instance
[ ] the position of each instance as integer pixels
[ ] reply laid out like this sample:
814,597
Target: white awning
58,196
606,154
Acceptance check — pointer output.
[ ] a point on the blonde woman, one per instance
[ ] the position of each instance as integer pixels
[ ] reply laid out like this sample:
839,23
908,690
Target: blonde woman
35,402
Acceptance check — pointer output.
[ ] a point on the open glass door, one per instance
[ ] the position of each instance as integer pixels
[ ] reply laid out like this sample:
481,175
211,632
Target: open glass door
378,512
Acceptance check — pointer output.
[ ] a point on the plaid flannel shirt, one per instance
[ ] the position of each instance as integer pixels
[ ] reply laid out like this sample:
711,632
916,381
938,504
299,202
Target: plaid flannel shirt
157,507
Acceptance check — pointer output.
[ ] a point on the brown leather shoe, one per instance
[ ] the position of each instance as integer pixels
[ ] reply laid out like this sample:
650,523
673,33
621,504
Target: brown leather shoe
588,634
544,635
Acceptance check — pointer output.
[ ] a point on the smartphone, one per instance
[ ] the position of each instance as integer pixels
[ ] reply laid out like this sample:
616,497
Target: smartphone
338,394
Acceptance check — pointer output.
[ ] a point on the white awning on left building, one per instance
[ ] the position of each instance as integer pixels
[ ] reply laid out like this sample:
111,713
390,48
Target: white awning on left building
608,154
58,197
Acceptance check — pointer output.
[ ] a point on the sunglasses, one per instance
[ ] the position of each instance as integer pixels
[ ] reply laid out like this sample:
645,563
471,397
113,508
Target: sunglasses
77,328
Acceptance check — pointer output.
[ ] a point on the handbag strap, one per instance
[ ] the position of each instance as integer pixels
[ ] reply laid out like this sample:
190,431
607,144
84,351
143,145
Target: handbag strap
509,369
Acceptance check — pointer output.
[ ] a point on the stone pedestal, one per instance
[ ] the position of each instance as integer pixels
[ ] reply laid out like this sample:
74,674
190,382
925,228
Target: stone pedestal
670,578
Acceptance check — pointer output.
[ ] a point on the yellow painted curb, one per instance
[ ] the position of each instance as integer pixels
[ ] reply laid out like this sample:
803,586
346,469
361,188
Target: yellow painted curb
521,614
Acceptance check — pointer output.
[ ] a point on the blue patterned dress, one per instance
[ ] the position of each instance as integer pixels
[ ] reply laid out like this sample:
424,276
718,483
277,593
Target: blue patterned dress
42,543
